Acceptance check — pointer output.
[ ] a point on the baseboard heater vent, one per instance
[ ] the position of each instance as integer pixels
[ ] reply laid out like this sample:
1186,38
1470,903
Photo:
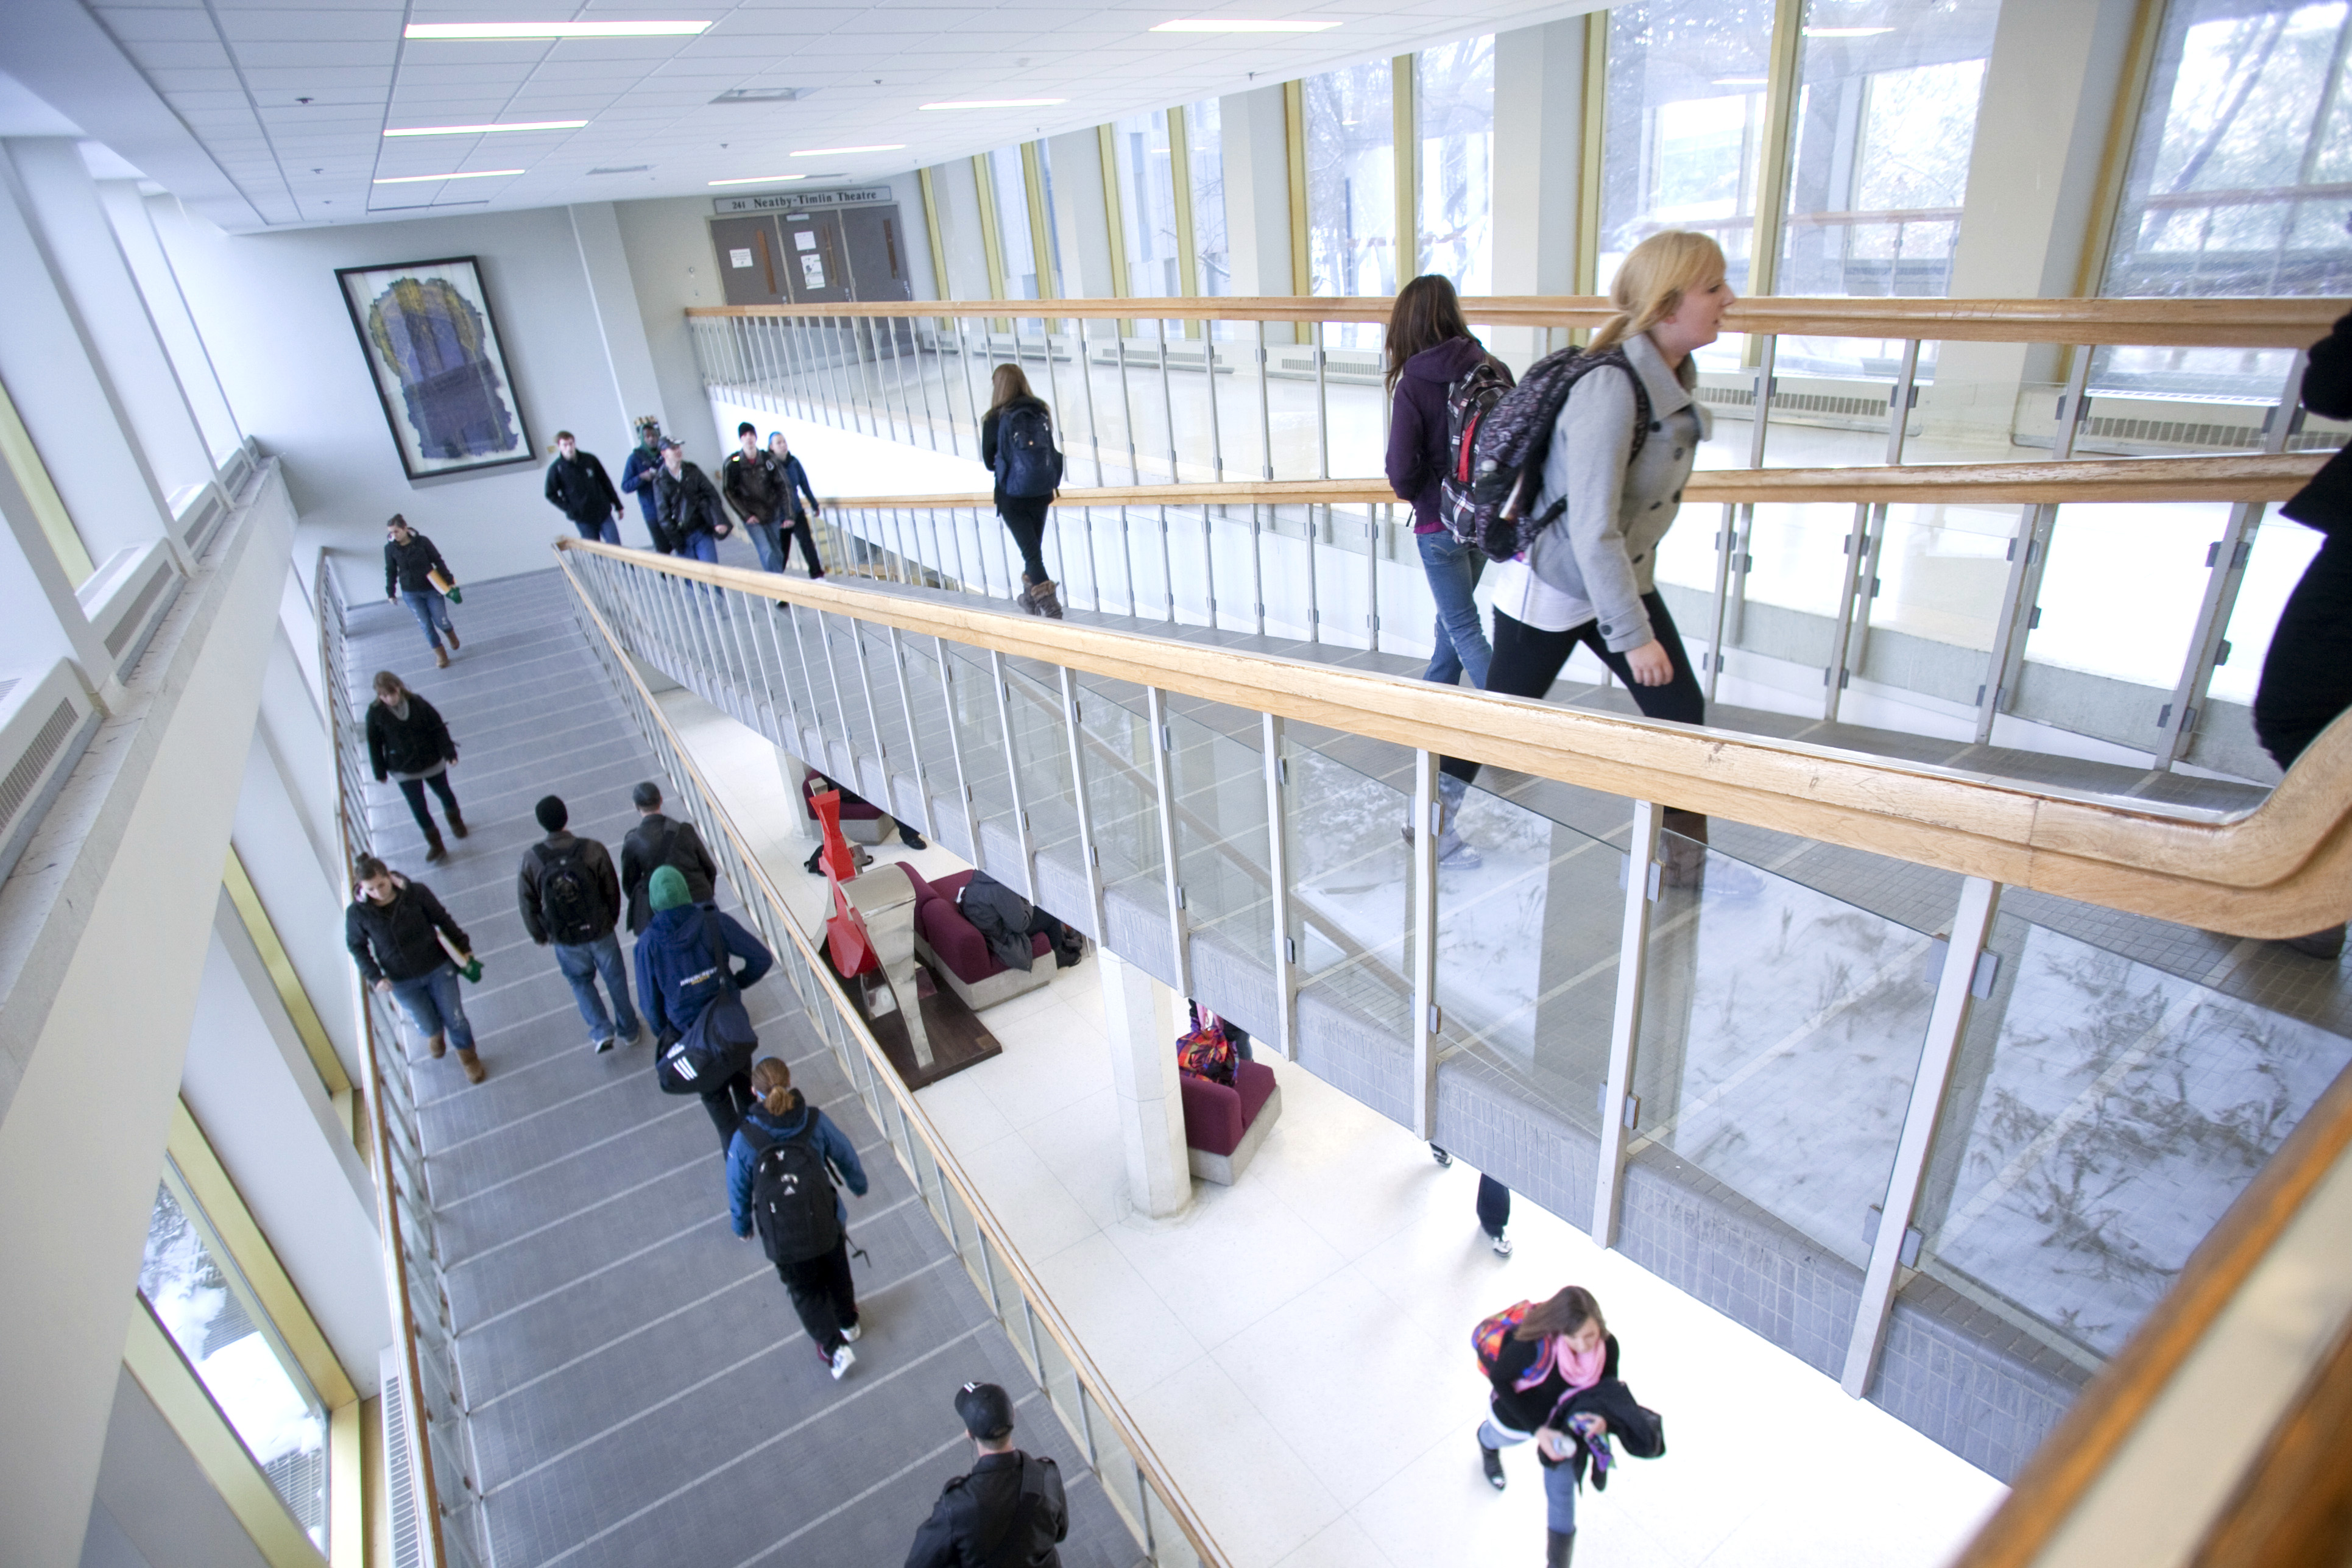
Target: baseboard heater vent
44,725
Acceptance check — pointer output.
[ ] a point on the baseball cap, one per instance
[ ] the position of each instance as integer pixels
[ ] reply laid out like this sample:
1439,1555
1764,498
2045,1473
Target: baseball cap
747,429
986,1409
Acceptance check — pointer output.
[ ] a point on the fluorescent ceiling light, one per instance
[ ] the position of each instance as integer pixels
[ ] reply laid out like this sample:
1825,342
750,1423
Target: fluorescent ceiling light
479,30
483,130
760,180
1223,24
829,151
1845,32
465,174
1742,80
997,103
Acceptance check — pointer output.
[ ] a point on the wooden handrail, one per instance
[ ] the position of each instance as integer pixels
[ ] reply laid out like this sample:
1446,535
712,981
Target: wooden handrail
2282,869
2263,479
2217,323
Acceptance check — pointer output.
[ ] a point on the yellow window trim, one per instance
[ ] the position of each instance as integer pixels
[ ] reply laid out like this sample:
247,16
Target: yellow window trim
1779,119
346,1488
257,925
251,1250
1589,164
940,288
1294,126
992,245
156,1363
1404,162
23,460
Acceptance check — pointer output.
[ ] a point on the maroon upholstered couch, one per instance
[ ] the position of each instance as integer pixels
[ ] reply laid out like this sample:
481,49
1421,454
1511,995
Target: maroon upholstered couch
959,955
1223,1127
862,821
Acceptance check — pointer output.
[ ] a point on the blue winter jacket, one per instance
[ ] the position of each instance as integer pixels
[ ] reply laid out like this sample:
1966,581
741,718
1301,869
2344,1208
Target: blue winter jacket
637,478
837,1150
674,946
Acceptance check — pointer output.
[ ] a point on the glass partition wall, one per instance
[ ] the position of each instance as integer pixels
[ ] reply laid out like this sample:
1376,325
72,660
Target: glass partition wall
1752,1046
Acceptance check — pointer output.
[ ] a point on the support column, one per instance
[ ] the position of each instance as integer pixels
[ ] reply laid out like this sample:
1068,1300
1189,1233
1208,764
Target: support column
1539,159
1256,146
135,228
613,291
1140,1023
2033,205
1081,219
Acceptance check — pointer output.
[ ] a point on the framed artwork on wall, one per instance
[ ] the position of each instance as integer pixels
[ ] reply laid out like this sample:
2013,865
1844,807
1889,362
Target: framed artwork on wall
425,329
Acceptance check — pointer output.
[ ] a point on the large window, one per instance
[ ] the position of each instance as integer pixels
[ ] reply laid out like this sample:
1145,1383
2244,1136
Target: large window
1352,182
1454,102
1204,155
1684,143
1886,119
211,1313
1010,188
1147,206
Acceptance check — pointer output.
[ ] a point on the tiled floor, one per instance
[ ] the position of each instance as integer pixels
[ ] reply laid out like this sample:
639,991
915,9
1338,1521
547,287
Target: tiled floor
1296,1346
640,1391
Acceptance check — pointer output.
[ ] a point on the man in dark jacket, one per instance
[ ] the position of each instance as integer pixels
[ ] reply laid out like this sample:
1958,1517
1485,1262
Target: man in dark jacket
676,953
637,478
570,900
1009,921
390,929
796,491
409,561
1009,1510
657,841
756,487
581,490
691,510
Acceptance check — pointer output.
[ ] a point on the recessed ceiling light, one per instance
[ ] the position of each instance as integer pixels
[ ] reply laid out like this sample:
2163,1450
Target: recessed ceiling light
465,174
760,180
624,169
477,30
830,152
482,130
1224,25
1845,32
997,103
762,94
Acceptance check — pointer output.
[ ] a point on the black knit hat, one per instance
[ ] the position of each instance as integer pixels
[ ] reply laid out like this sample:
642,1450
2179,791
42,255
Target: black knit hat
551,814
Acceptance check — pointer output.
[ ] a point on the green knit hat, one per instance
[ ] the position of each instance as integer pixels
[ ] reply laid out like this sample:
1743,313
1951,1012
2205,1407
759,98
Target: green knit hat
667,891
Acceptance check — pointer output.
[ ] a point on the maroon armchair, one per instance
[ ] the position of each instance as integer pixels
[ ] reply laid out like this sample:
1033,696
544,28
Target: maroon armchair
1224,1126
960,955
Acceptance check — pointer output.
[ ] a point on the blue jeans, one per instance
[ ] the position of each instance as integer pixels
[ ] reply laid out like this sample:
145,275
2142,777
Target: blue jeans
432,611
605,531
434,1005
1559,1480
701,546
581,964
1453,568
771,548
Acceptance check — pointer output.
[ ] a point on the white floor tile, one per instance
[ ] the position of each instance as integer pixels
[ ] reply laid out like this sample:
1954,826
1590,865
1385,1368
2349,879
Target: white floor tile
1256,1496
1026,1197
1080,1143
1342,1543
1132,1336
1237,1254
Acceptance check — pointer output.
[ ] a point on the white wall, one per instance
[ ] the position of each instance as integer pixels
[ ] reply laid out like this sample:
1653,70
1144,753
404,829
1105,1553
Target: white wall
155,1507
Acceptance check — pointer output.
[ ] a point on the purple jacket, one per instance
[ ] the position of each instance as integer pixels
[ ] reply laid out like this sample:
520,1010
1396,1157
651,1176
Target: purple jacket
1417,432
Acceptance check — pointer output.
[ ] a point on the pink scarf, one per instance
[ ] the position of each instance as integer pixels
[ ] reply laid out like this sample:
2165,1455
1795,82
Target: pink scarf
1578,1369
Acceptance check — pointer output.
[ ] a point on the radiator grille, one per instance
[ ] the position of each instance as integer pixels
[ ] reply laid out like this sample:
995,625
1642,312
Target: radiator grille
26,776
408,1543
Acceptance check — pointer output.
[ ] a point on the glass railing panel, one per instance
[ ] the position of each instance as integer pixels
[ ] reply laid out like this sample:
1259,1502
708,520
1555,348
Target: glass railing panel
1120,1477
1122,803
1780,1029
938,741
1060,1381
1171,1548
967,1244
1787,604
980,732
2121,590
1528,938
2103,1115
1041,754
1943,572
2281,549
1218,782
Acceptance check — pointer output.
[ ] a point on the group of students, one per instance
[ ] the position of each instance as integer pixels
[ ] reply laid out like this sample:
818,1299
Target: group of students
683,511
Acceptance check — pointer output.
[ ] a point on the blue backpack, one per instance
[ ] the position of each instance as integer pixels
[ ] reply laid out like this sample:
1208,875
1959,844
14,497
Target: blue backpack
1027,465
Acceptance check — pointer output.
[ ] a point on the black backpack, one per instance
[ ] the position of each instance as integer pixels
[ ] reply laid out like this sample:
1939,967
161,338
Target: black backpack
793,1202
1507,457
1026,463
1470,397
571,905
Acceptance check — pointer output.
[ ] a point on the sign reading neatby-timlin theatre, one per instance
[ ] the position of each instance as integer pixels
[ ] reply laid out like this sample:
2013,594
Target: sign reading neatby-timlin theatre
794,201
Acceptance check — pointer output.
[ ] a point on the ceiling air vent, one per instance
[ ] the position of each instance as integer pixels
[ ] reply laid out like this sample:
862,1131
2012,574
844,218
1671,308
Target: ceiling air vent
763,94
624,169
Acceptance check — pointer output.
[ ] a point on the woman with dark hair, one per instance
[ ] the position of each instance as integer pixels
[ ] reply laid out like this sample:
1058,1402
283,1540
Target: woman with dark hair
1558,1348
782,1130
408,743
1431,352
1016,441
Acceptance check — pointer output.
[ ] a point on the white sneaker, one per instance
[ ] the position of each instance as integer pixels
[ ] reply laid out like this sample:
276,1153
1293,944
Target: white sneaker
1501,1249
853,1331
842,1360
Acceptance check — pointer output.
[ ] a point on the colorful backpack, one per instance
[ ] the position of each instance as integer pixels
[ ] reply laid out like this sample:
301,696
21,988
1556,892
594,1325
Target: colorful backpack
1488,1338
1487,506
1204,1052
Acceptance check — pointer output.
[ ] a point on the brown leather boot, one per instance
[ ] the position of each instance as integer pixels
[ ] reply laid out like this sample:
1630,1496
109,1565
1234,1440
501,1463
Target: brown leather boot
440,658
456,822
472,1062
438,1046
451,633
435,850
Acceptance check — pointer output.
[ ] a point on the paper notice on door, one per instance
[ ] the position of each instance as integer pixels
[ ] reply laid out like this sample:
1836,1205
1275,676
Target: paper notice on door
812,269
739,258
803,240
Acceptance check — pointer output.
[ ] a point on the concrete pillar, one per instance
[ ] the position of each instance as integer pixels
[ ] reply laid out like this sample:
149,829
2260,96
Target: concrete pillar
2050,92
1140,1023
1539,160
596,229
1081,220
957,196
1257,196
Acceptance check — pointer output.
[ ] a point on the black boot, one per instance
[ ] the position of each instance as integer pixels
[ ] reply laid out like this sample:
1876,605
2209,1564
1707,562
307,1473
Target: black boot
1491,1460
1559,1548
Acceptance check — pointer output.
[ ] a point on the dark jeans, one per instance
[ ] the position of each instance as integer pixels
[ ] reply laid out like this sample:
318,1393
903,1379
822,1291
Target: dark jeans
412,790
1493,1204
823,1295
1024,519
1528,661
774,543
726,1105
605,530
2307,675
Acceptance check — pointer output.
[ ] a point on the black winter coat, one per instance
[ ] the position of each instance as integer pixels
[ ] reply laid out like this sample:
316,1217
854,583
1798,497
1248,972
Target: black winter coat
595,859
396,941
409,566
688,504
974,1510
755,486
416,744
2326,503
642,855
581,488
1526,1411
1639,1431
1002,916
